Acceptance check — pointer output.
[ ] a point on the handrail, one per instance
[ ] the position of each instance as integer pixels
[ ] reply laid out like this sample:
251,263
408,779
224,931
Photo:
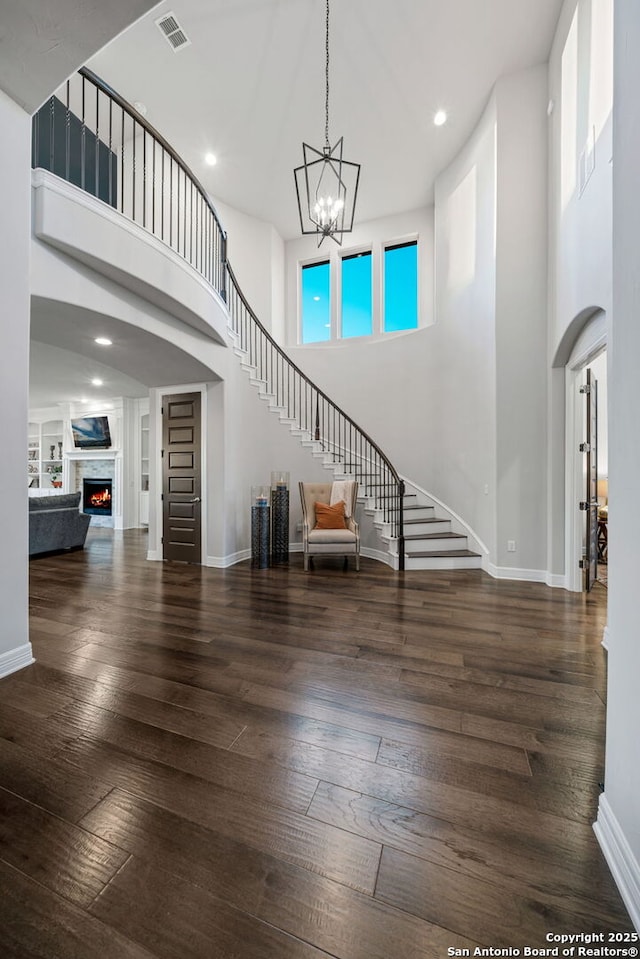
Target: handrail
304,376
130,165
316,415
92,137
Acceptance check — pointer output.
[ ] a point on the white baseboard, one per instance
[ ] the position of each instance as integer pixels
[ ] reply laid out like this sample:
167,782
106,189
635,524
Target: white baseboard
223,562
553,580
556,580
620,858
380,555
15,659
512,572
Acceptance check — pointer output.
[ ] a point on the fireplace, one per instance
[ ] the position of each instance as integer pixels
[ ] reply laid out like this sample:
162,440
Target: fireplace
97,496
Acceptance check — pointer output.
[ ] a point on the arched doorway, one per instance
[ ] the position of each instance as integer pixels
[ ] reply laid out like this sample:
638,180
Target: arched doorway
585,419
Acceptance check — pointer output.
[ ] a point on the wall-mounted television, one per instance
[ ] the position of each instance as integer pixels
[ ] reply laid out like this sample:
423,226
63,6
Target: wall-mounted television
91,432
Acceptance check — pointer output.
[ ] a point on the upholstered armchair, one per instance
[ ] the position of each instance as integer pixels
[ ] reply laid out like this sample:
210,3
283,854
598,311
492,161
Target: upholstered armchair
317,539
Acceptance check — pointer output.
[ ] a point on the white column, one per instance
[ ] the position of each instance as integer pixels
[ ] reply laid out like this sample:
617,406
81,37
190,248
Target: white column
15,238
618,825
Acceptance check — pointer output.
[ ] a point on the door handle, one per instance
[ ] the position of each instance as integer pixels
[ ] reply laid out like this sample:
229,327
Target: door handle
196,500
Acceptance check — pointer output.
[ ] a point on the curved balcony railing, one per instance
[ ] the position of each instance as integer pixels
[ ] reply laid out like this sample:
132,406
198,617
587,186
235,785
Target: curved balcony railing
90,136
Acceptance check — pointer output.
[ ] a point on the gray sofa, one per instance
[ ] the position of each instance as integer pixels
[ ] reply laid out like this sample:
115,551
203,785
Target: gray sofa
55,523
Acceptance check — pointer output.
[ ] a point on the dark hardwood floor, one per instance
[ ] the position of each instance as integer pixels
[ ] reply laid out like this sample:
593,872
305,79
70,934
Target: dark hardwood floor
269,764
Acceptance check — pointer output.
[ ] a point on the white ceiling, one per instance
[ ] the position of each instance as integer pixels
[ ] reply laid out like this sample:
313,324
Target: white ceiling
250,88
41,43
65,358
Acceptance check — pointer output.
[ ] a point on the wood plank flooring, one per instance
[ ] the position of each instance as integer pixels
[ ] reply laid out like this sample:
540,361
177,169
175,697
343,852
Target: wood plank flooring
272,764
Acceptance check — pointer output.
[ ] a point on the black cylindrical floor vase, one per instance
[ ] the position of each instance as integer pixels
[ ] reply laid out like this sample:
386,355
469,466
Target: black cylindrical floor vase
279,526
260,521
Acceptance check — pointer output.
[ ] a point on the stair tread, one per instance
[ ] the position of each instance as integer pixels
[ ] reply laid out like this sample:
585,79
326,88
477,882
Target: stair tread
421,554
420,536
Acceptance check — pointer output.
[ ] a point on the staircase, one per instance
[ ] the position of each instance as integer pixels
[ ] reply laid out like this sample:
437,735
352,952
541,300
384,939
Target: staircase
141,176
406,522
431,543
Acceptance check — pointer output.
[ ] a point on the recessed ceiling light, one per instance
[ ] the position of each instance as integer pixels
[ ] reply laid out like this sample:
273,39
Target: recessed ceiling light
210,159
440,118
103,341
83,399
96,382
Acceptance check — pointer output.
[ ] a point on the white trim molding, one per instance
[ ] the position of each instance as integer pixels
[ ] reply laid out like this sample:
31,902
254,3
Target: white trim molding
620,858
223,562
15,659
380,555
512,572
556,580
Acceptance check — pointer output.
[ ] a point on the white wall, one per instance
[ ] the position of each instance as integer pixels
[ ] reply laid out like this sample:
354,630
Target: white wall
428,397
580,216
463,387
15,238
618,825
256,251
459,406
521,341
580,89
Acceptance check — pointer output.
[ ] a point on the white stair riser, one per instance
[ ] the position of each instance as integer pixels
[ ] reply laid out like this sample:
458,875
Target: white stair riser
435,545
439,526
424,512
442,562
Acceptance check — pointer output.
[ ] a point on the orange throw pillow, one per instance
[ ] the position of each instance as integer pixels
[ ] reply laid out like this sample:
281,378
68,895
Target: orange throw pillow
330,517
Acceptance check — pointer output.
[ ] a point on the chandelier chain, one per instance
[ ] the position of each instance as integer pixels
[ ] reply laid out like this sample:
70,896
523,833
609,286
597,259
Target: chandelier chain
326,78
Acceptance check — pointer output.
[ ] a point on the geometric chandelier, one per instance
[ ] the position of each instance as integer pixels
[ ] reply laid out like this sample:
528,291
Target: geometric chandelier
326,183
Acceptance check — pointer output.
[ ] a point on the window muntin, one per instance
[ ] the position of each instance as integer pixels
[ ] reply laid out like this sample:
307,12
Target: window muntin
316,303
356,295
375,293
400,309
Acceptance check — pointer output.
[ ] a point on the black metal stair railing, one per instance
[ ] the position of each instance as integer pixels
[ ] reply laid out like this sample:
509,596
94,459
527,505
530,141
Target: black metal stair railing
317,418
90,136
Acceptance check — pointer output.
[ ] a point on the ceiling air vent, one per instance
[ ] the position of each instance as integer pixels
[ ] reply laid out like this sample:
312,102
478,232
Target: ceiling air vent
172,32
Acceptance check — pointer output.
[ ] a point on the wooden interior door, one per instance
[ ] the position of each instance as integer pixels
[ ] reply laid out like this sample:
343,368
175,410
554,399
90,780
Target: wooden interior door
181,478
590,504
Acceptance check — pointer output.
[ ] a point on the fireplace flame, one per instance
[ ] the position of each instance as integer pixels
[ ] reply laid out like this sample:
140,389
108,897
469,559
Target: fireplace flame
103,498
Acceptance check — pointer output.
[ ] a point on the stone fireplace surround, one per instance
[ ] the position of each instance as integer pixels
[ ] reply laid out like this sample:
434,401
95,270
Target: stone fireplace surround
94,464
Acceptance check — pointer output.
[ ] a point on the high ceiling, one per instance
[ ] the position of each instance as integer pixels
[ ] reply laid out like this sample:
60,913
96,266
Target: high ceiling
250,88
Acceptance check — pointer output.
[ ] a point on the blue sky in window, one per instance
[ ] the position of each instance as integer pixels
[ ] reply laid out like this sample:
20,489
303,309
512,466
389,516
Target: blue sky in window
357,306
316,312
401,288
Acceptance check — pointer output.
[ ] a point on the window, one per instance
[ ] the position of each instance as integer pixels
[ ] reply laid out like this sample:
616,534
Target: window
401,287
357,298
316,305
374,292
